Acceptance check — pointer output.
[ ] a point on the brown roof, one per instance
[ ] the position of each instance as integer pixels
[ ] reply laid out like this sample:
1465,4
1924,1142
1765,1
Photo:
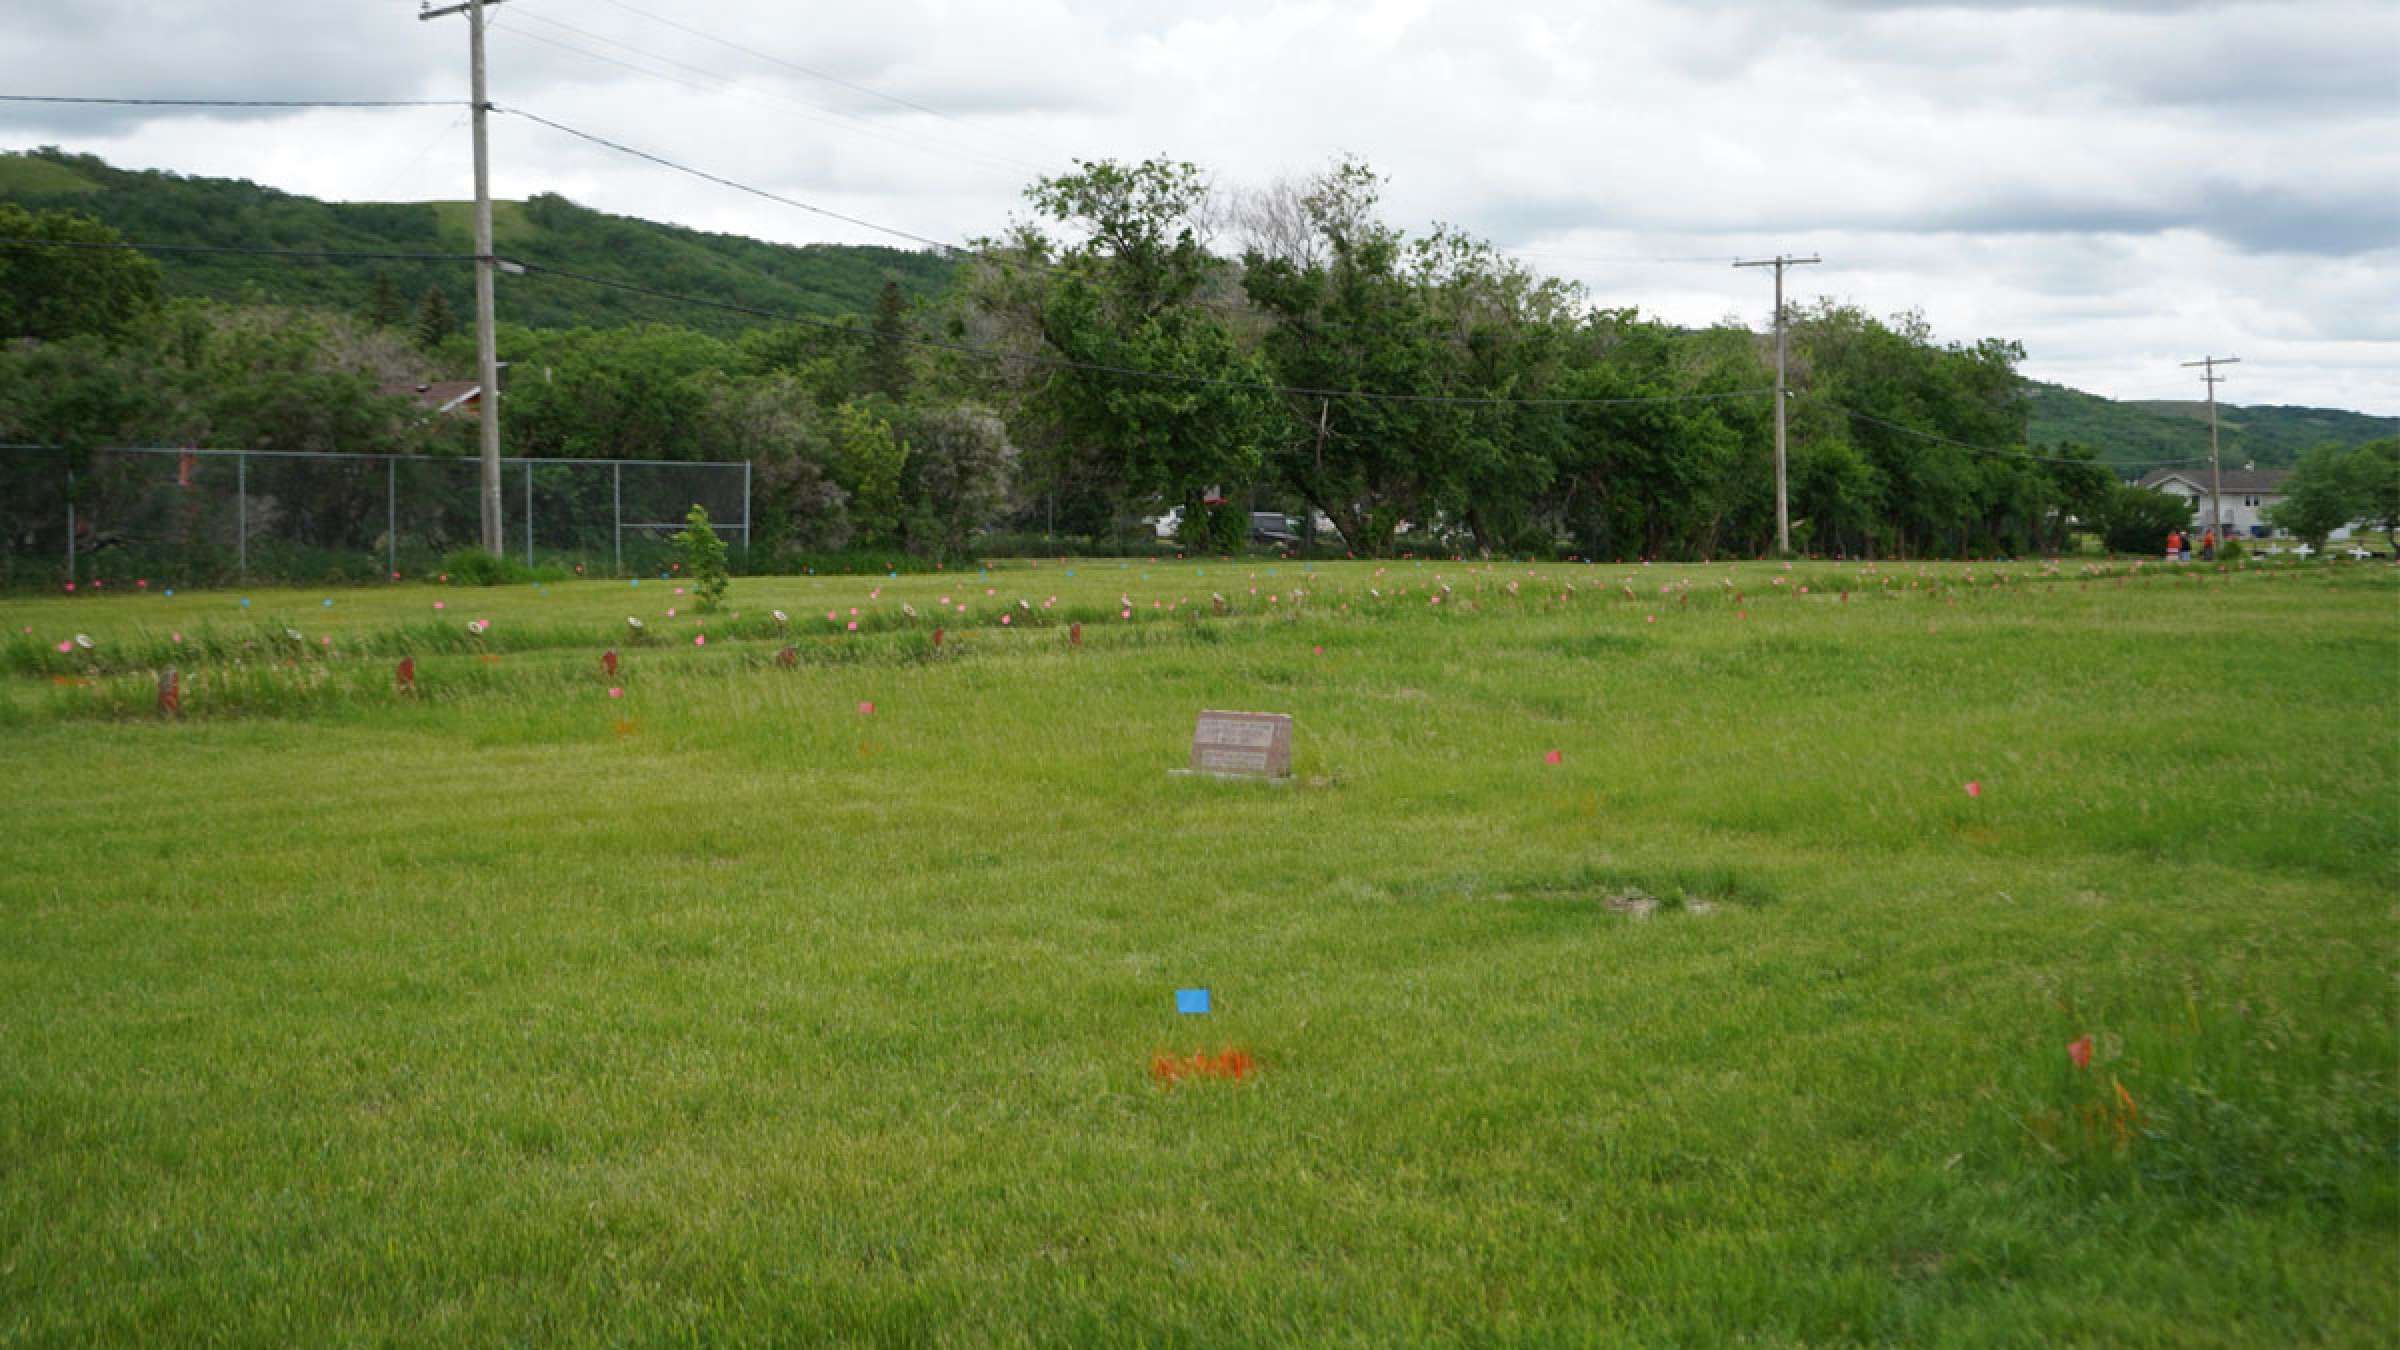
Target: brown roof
2269,481
436,395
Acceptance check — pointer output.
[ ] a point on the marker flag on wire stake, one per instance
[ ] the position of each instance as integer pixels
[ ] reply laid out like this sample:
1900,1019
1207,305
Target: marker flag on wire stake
1191,1002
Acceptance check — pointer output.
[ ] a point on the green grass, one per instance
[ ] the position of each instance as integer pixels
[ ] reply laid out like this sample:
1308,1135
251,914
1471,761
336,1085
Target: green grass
723,1010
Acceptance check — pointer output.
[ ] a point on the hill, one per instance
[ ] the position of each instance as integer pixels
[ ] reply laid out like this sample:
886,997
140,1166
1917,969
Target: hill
2271,436
153,207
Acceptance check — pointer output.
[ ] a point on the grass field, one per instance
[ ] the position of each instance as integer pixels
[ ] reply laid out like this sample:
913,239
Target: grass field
821,1001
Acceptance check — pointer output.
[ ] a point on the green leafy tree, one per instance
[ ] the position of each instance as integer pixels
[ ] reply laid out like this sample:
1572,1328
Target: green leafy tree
1161,384
959,461
435,319
2138,520
868,461
703,560
2320,497
53,293
2374,473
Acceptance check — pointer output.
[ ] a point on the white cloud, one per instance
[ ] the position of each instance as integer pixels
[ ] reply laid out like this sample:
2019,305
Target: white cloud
2117,186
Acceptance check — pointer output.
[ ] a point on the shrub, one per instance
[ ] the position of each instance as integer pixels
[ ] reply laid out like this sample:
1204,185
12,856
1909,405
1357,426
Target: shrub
703,559
2136,520
474,567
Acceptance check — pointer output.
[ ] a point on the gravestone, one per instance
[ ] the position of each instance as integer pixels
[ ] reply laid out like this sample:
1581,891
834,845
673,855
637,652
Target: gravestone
1243,744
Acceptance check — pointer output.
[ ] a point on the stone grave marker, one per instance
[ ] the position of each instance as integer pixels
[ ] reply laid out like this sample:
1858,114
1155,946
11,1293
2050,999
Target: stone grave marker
1242,744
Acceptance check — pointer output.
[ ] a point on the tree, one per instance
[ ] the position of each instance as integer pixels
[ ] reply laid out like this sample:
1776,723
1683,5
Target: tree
868,458
52,293
2137,520
2374,473
703,559
384,307
1348,316
887,357
2320,497
959,459
1159,383
435,319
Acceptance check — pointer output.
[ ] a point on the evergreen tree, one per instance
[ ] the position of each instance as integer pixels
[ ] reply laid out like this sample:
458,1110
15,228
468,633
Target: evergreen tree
384,308
887,360
435,320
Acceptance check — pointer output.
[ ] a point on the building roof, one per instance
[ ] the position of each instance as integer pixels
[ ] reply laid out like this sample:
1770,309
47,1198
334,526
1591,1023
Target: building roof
439,396
2265,481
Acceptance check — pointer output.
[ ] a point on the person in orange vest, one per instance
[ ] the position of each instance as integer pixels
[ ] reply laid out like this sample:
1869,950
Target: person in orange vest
2208,544
2174,545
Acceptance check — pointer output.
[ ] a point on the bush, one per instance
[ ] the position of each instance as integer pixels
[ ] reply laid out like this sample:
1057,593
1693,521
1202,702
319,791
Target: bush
2136,520
474,567
703,559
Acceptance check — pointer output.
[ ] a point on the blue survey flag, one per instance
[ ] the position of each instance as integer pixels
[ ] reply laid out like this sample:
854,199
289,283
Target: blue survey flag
1191,1000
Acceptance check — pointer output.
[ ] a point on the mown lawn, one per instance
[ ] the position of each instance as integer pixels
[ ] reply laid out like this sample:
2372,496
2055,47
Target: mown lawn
729,1009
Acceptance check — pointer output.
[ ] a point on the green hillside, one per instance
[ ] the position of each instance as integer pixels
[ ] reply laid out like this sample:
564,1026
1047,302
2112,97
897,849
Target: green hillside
2270,436
154,207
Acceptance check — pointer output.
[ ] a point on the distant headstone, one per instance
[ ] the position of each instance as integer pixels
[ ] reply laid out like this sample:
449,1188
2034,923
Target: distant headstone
170,693
1246,744
608,661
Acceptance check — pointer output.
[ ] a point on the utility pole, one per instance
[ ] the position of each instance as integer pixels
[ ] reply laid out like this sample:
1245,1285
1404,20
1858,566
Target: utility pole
2216,476
487,356
1783,501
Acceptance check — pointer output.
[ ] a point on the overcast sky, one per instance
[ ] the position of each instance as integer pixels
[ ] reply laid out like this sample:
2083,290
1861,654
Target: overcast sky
2118,186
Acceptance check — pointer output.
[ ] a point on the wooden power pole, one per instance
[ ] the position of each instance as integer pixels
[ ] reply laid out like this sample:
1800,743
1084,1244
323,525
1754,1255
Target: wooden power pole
487,355
1783,501
2216,473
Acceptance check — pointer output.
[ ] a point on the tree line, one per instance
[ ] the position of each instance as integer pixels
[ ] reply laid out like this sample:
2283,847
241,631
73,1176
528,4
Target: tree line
1139,344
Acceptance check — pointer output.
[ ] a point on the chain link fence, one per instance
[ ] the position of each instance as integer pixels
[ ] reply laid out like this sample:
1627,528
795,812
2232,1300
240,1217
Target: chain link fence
200,516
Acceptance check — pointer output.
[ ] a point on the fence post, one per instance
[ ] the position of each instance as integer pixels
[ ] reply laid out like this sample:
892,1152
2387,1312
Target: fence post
241,513
746,564
616,513
70,525
391,514
529,513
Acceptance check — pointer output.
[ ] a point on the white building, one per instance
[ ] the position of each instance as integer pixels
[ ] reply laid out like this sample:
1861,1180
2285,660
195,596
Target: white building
2246,493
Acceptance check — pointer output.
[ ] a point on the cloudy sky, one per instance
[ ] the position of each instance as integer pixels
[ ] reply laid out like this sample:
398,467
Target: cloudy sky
2119,186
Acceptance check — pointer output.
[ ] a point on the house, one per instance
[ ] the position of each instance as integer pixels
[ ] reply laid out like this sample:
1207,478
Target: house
2246,493
460,398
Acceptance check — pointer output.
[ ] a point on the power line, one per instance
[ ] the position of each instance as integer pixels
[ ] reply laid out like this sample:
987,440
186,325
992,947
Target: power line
773,59
240,102
726,84
705,175
1163,376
